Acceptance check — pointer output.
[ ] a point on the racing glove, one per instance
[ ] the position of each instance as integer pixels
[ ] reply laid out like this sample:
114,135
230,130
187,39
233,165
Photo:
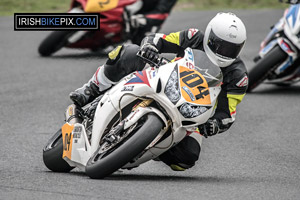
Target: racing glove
138,21
149,52
210,128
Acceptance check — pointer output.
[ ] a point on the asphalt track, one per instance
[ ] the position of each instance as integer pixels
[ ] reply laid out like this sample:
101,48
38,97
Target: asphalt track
258,158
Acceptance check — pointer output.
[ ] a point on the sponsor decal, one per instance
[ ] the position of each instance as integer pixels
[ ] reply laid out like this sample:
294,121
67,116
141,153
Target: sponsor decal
243,82
140,78
151,74
127,88
77,132
190,65
188,91
191,55
133,114
71,111
192,32
285,47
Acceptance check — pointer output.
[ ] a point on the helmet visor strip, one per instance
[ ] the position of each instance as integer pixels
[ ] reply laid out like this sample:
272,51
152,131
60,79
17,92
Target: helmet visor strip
222,48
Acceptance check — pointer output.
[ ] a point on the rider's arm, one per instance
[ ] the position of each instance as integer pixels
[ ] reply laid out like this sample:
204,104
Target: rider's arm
233,91
159,14
176,42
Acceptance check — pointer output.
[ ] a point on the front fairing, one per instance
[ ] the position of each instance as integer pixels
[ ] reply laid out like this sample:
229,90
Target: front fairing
278,27
292,24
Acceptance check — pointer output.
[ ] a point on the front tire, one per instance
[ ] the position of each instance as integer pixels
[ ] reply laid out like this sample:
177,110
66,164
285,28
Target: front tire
116,158
52,154
53,42
265,65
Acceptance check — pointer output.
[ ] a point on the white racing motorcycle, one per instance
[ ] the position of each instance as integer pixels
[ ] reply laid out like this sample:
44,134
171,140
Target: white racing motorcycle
278,59
141,117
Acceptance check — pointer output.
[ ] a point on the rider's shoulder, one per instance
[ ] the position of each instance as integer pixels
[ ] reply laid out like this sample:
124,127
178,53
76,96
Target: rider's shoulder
236,70
192,33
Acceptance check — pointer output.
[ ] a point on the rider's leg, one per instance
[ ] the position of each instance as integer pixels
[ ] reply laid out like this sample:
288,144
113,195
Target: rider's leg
185,154
121,62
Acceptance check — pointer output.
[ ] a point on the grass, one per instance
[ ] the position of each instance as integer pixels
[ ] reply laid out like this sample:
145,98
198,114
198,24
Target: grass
8,7
226,4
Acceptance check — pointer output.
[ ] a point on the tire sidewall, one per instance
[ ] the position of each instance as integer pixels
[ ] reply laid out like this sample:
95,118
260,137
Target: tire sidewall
127,151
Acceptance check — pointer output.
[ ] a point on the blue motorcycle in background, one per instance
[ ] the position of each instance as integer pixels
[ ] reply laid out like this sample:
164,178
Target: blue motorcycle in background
278,60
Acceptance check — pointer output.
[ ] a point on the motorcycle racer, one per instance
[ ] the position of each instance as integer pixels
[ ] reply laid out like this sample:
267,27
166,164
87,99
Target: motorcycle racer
147,16
222,41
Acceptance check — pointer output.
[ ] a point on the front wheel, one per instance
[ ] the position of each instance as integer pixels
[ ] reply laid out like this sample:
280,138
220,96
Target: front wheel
264,66
52,154
53,42
104,163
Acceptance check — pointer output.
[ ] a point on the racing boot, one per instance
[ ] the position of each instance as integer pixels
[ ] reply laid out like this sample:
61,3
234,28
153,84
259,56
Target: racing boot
185,154
96,86
85,94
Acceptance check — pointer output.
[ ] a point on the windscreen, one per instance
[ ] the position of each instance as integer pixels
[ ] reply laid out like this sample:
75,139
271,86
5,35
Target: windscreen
210,71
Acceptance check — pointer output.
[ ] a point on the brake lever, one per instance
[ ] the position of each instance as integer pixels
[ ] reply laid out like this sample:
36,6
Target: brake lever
160,60
150,62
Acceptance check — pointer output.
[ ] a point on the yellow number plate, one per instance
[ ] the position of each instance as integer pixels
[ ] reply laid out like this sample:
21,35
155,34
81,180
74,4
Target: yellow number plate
100,5
67,140
194,87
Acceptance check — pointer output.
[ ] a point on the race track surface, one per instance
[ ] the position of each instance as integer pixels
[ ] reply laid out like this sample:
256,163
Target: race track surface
258,158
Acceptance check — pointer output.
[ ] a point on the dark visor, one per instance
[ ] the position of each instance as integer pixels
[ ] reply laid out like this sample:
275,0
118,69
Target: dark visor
223,48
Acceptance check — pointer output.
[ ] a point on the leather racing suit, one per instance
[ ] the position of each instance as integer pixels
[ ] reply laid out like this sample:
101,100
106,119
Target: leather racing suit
153,12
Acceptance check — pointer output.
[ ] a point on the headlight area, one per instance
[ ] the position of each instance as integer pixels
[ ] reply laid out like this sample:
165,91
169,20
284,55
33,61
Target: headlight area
172,89
190,111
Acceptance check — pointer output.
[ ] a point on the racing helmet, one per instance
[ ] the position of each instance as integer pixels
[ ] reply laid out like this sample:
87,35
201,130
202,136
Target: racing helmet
224,38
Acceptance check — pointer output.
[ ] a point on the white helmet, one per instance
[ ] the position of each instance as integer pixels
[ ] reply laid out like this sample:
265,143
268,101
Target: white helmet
224,38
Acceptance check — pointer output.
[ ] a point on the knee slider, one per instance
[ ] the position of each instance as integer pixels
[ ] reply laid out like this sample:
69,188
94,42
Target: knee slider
114,55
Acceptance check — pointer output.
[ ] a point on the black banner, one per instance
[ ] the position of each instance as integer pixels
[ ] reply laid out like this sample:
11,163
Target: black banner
56,21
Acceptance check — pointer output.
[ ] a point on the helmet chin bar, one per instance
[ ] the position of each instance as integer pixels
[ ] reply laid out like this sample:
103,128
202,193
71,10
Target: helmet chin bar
226,63
221,62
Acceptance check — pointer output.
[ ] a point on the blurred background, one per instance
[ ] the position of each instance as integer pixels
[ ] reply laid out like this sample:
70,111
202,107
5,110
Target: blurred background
258,158
8,7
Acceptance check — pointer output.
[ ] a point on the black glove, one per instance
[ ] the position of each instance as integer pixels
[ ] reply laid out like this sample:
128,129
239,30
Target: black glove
210,128
138,21
149,52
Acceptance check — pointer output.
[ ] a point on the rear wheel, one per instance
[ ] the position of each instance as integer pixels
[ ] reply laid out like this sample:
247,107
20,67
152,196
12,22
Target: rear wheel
52,154
107,160
264,66
53,42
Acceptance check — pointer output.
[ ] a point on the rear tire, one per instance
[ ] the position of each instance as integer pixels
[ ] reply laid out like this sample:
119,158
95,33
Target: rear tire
53,42
125,152
52,154
265,65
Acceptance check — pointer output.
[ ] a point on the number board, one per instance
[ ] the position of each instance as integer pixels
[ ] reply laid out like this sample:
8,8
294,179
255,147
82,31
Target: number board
67,139
194,87
100,5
